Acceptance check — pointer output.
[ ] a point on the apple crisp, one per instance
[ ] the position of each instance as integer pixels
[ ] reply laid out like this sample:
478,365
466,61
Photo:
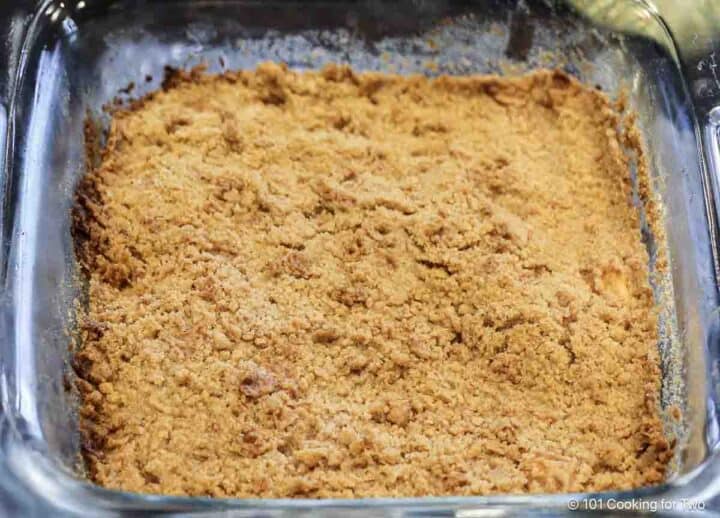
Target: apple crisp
342,284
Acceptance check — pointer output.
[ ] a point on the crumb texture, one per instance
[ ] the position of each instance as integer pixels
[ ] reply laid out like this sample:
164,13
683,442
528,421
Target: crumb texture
334,284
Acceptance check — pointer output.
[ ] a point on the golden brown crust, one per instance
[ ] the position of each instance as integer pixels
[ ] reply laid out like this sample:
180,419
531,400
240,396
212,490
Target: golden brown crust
338,284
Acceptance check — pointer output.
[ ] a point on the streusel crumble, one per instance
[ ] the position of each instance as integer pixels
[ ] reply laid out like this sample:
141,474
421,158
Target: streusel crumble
341,284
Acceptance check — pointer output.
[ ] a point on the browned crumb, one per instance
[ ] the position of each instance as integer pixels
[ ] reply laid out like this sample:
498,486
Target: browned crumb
330,284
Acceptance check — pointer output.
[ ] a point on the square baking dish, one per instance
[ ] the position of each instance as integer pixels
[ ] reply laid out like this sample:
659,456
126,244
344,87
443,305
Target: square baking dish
67,60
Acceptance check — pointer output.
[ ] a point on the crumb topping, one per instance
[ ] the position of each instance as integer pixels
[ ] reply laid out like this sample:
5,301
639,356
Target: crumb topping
341,284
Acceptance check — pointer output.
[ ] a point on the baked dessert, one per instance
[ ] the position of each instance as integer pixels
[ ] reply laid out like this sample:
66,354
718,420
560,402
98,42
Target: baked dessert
341,284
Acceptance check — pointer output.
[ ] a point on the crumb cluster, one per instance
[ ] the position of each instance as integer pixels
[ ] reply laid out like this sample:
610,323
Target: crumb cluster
341,284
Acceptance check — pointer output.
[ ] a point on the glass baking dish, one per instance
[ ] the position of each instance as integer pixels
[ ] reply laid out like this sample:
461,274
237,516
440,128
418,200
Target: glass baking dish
66,60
